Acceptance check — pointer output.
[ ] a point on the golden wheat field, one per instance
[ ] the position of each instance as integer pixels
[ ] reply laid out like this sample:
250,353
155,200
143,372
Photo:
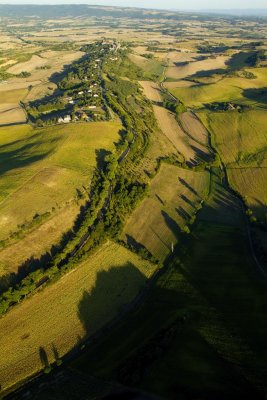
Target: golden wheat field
78,304
252,184
45,169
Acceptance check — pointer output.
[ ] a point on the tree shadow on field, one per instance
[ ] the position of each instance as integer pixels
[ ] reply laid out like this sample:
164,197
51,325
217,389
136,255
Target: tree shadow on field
43,357
113,294
29,265
184,214
136,246
189,187
20,158
9,280
171,223
201,156
129,358
258,95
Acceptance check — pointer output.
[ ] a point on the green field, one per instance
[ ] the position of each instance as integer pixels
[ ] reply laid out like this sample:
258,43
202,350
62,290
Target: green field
235,89
241,140
240,137
251,184
40,172
151,67
133,247
82,302
200,320
175,194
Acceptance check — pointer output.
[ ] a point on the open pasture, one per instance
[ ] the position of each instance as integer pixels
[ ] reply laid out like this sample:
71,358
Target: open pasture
82,302
45,169
191,67
251,183
233,88
159,219
151,67
10,110
240,137
28,66
190,138
194,127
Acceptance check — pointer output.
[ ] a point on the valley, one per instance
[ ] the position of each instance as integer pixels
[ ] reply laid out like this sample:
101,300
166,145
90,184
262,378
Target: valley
133,203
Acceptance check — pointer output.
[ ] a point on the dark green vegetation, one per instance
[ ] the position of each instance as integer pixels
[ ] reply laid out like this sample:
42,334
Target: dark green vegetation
198,328
113,192
200,319
79,93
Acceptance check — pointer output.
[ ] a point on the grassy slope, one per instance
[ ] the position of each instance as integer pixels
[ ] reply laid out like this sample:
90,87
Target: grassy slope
174,195
226,89
241,139
45,167
77,305
220,346
151,67
193,147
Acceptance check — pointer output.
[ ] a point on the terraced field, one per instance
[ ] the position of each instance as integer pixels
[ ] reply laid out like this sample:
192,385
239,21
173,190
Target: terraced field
82,302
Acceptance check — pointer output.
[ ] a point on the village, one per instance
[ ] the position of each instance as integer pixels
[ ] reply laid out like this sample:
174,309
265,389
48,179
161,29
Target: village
79,97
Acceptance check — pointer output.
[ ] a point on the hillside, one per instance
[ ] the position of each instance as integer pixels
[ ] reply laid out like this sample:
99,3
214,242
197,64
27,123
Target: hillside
133,159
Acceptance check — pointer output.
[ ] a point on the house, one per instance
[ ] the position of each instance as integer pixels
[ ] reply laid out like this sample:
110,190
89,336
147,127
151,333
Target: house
81,92
92,107
71,101
66,119
95,95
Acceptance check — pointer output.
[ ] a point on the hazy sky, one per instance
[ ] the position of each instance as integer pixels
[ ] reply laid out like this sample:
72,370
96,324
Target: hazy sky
177,4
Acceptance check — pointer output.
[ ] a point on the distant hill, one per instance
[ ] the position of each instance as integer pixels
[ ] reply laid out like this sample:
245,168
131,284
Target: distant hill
85,10
246,12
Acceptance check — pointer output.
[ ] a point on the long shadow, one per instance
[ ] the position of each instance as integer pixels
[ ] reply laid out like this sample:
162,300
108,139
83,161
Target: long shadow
24,155
257,95
171,223
187,200
130,352
107,295
43,357
159,199
136,246
189,187
184,214
140,336
10,280
201,155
